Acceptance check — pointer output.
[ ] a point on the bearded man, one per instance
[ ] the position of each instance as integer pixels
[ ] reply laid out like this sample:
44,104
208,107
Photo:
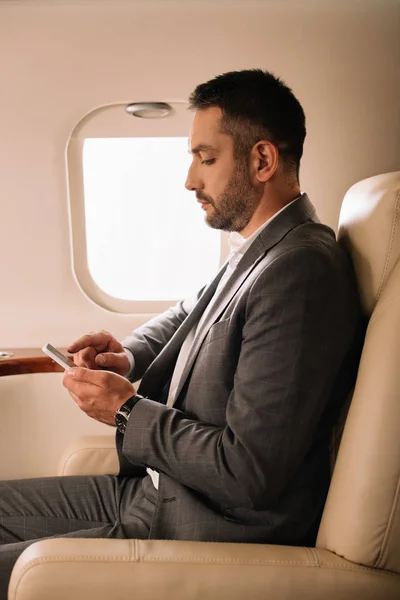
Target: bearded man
227,437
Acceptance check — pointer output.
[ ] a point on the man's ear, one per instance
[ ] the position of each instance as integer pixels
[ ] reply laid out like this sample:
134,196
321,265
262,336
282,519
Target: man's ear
264,160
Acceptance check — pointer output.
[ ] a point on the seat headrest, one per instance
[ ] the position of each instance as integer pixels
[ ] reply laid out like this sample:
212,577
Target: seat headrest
369,227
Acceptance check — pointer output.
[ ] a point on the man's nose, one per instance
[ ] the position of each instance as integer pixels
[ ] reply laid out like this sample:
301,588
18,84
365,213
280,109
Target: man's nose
192,181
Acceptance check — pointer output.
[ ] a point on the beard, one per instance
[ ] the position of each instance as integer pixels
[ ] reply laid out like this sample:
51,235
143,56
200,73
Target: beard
236,205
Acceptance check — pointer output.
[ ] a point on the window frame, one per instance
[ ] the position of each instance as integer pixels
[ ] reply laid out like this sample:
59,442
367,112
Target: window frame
112,121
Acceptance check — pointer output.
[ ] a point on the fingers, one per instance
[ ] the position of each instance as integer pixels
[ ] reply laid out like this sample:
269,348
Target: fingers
91,377
98,340
86,358
80,388
113,361
76,376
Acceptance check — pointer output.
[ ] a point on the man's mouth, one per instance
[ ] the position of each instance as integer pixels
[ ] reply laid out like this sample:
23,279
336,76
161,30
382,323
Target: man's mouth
204,203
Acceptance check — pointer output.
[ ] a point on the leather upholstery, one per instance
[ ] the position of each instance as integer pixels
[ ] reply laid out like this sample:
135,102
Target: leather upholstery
358,546
92,455
361,519
69,569
369,226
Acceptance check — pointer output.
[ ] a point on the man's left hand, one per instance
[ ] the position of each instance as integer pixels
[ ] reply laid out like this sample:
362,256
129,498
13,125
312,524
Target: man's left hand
98,393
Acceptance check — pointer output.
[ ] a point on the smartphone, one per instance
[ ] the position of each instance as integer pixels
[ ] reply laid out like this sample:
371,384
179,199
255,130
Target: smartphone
58,356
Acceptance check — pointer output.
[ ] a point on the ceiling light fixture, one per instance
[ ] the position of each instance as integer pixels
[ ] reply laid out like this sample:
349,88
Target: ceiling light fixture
149,110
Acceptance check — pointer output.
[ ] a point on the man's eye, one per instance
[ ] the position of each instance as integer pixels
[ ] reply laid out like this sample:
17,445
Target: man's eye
210,161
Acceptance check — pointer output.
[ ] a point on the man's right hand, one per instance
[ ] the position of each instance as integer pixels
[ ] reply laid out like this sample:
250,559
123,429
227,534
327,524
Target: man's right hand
100,350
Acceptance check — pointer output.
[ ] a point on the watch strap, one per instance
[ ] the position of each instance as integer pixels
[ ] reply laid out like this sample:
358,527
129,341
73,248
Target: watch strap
130,403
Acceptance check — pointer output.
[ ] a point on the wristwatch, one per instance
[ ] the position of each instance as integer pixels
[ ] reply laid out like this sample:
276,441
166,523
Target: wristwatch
122,415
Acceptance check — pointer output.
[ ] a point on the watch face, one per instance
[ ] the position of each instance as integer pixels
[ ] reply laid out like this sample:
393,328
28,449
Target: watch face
121,421
122,415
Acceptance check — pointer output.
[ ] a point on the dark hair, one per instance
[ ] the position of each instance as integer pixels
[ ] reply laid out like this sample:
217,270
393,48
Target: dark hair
256,105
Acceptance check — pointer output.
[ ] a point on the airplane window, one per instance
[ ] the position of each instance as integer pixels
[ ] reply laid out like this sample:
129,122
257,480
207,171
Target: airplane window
145,233
138,238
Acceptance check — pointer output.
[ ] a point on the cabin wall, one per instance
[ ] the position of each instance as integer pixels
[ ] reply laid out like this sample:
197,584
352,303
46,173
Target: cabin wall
61,59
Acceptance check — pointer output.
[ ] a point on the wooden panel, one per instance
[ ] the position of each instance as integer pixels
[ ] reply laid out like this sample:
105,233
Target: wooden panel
27,360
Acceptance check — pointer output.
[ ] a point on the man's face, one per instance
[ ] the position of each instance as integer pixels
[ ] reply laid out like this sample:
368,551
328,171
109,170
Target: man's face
222,184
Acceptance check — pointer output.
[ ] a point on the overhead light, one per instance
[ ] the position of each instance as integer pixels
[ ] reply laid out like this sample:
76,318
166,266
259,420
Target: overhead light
149,110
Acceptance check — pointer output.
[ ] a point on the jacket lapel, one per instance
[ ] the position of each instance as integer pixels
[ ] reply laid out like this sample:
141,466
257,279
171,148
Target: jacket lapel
161,367
272,234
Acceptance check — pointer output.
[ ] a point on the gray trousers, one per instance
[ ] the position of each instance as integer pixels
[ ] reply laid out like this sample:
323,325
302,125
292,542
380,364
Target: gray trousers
104,506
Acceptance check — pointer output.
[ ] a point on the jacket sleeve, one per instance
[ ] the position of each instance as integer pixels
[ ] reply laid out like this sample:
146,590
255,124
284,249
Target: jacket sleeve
147,341
298,324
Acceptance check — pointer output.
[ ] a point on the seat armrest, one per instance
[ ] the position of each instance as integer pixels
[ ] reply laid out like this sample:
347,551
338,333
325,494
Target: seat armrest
90,455
77,569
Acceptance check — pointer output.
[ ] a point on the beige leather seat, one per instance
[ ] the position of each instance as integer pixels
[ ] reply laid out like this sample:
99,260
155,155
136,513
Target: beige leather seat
357,555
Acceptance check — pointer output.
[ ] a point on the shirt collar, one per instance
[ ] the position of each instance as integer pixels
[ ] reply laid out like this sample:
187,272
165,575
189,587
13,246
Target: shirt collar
239,245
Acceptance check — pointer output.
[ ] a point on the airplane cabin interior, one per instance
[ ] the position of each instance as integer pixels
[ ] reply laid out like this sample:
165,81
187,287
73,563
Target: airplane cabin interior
98,233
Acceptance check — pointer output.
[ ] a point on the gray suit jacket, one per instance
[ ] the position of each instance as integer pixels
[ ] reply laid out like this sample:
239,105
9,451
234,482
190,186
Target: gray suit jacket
243,453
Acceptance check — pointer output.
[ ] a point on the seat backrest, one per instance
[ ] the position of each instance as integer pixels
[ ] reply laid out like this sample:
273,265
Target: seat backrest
361,519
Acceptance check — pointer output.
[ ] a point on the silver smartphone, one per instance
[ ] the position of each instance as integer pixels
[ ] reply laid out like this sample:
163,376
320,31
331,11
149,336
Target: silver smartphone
58,356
